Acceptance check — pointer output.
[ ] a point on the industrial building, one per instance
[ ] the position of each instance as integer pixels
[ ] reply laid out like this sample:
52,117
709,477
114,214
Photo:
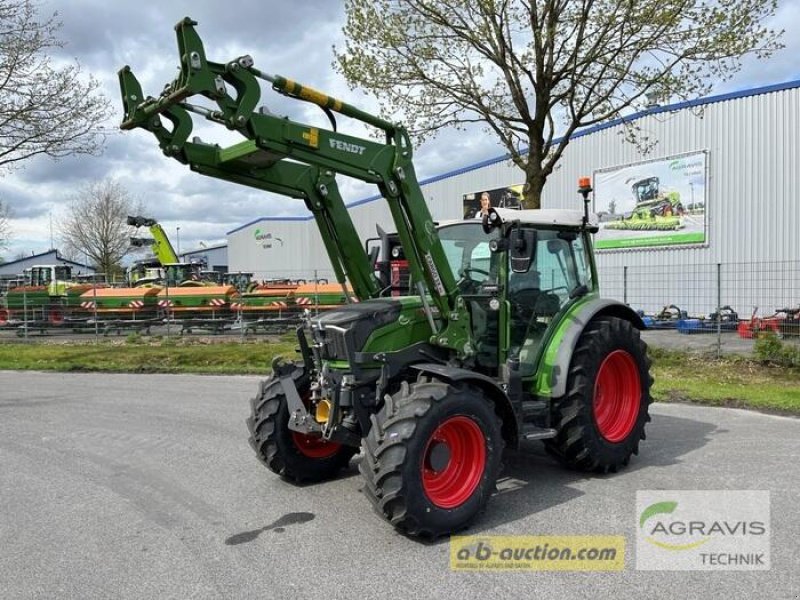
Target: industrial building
213,258
721,168
15,268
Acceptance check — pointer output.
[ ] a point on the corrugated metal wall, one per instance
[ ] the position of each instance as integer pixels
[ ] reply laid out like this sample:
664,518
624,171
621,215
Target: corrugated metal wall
752,209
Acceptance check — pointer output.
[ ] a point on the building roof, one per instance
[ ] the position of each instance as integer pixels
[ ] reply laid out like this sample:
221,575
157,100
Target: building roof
201,250
39,258
757,91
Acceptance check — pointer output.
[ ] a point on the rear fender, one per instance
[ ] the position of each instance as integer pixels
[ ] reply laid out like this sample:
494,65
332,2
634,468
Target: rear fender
489,387
554,367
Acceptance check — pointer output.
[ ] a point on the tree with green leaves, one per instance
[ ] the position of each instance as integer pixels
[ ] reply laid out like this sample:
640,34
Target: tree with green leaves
533,73
96,226
46,109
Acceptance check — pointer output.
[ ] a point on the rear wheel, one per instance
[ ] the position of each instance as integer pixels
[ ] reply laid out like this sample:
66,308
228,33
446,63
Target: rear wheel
602,418
292,455
3,317
432,457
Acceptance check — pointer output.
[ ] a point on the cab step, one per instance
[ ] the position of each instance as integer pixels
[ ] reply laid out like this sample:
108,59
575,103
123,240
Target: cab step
533,408
533,432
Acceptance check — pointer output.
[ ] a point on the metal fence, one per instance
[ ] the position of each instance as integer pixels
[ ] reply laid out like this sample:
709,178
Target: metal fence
724,302
719,307
272,303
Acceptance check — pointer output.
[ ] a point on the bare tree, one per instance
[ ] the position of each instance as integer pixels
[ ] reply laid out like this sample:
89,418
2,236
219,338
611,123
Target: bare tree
45,109
534,71
95,225
5,224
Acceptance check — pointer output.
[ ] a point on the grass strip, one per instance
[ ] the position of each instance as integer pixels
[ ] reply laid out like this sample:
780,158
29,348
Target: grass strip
732,381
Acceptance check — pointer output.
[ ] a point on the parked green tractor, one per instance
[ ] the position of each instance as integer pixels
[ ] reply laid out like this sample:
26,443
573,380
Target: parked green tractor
48,297
506,339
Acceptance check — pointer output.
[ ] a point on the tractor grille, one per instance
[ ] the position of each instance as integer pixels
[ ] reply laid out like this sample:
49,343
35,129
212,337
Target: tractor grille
352,324
333,343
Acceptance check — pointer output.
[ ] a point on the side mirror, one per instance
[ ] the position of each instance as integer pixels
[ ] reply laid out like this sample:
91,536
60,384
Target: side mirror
491,221
522,247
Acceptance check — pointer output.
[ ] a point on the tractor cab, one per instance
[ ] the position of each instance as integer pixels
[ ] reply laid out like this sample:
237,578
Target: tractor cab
52,277
646,189
145,273
182,274
45,275
517,278
210,276
243,282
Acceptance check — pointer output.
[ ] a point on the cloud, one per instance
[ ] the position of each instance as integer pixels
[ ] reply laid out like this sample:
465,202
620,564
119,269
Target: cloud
290,38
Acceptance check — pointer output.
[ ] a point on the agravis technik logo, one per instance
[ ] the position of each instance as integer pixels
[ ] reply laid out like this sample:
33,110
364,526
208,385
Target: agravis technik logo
704,530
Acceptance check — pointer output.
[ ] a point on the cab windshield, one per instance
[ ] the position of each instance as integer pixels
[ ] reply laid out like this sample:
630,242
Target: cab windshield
466,247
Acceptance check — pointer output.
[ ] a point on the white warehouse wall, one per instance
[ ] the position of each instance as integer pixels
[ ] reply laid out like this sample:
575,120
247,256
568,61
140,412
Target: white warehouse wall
753,157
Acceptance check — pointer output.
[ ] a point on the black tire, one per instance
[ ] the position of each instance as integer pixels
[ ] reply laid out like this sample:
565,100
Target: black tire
400,442
276,446
602,417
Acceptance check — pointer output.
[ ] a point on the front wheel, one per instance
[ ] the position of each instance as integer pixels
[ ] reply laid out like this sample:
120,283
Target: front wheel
432,457
292,455
602,418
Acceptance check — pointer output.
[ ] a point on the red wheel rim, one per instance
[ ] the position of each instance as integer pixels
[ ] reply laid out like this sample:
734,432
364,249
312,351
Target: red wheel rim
56,316
617,395
314,446
453,462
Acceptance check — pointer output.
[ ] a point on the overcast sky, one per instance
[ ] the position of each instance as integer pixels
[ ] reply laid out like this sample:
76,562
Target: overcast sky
292,38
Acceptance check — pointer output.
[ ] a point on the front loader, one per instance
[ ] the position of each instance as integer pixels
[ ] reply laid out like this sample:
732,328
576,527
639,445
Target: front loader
505,340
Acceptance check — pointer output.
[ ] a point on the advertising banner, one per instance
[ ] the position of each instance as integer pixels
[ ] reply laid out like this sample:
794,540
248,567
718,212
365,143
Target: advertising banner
504,197
655,203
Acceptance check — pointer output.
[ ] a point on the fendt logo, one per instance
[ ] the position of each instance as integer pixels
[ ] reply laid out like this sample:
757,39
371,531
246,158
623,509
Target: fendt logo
347,147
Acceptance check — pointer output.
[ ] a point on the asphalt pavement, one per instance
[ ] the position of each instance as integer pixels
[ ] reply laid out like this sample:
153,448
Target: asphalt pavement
144,486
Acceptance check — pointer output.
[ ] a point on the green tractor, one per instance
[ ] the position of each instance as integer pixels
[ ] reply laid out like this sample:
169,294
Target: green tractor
48,297
505,340
651,202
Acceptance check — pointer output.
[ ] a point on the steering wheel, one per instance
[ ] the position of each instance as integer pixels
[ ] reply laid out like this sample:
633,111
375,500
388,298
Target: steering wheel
558,287
522,303
466,283
466,270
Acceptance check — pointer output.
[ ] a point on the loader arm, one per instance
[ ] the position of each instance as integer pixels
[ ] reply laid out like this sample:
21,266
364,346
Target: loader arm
321,195
269,156
160,244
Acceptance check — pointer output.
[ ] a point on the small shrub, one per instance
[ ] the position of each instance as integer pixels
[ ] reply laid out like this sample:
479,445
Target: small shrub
134,337
769,349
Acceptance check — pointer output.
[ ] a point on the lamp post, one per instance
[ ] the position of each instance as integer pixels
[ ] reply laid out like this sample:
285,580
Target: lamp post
178,238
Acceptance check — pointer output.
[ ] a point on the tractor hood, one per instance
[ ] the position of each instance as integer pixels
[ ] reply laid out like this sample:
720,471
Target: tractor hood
379,325
360,320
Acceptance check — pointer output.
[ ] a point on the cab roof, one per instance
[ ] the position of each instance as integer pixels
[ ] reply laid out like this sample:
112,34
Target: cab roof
559,217
548,216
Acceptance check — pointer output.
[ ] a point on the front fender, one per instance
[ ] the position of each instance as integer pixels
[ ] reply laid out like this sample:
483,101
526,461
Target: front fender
488,385
554,367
